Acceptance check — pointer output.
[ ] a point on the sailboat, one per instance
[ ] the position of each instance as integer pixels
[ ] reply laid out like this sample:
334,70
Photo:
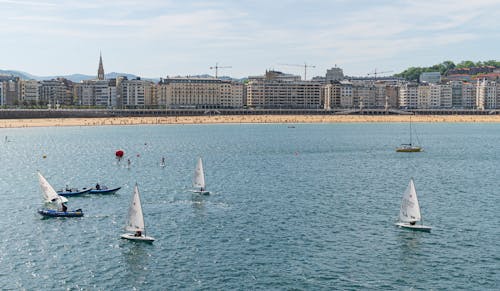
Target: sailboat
135,220
409,214
199,179
162,163
55,204
409,147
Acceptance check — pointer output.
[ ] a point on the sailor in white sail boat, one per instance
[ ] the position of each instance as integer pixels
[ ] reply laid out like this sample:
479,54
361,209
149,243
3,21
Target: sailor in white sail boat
138,233
412,222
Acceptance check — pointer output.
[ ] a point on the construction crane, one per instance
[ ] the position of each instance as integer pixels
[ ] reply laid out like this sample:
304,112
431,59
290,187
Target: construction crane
305,65
375,73
217,67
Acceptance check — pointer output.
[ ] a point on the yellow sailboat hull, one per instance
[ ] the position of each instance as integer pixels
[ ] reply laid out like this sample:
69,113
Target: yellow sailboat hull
412,149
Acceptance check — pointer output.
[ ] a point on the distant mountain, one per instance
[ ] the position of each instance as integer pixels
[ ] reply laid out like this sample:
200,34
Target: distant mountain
21,75
80,77
73,77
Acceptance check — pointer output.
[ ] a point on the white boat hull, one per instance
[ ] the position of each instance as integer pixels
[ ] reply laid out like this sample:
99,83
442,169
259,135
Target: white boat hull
131,236
204,192
417,227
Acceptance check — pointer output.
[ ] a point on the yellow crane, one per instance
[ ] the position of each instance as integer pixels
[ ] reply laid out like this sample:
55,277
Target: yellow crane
305,65
217,67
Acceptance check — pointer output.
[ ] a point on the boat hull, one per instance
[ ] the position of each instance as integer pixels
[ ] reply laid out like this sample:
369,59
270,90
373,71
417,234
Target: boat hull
415,227
132,237
70,193
204,192
409,149
56,213
104,191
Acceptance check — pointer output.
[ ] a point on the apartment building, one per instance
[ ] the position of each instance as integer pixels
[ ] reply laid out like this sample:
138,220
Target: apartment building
331,93
29,91
136,93
408,95
209,93
468,95
96,93
486,94
56,92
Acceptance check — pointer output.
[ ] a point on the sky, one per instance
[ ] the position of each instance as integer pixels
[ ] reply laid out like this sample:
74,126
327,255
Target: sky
160,38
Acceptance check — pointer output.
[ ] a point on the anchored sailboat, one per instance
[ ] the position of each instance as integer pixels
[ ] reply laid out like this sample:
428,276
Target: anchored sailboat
409,214
409,147
135,220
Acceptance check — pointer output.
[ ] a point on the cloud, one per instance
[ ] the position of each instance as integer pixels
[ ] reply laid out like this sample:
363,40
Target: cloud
27,3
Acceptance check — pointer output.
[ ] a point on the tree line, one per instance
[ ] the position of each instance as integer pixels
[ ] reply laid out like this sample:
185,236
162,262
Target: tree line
413,73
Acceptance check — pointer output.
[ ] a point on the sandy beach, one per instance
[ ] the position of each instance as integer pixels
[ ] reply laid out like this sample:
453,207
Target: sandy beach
18,123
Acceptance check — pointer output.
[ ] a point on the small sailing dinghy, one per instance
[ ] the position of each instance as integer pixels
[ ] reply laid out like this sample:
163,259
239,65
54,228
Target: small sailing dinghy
135,220
162,163
409,214
199,179
55,204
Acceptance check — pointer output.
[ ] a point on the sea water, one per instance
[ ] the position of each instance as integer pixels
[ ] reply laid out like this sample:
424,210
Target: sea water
305,208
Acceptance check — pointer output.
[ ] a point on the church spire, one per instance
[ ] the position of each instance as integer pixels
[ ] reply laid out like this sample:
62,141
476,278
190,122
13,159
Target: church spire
100,71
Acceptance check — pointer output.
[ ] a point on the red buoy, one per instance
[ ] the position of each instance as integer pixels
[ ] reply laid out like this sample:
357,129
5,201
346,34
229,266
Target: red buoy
119,153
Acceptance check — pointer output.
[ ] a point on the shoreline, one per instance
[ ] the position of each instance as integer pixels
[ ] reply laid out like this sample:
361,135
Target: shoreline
236,119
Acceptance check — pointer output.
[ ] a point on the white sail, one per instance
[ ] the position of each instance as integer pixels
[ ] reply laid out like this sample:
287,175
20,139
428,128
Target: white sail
199,176
410,209
135,219
49,194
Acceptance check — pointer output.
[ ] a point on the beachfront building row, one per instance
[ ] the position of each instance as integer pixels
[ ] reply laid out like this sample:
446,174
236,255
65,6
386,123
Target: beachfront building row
482,94
272,90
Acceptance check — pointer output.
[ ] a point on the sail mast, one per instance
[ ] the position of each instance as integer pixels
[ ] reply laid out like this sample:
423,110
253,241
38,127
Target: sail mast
410,132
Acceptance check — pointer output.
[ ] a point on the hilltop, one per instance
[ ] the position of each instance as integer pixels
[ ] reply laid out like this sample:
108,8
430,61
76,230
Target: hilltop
445,68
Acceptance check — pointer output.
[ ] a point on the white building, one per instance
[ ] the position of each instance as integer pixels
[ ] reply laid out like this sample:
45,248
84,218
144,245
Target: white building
136,93
486,94
408,95
468,95
96,93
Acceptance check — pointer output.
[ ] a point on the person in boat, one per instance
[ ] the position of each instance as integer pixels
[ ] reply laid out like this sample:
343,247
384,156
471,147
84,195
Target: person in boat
97,186
64,207
68,189
412,222
138,233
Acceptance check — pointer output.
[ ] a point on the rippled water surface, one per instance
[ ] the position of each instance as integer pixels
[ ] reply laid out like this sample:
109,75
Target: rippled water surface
305,208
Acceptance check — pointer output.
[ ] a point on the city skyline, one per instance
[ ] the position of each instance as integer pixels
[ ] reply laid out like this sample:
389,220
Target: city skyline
159,38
